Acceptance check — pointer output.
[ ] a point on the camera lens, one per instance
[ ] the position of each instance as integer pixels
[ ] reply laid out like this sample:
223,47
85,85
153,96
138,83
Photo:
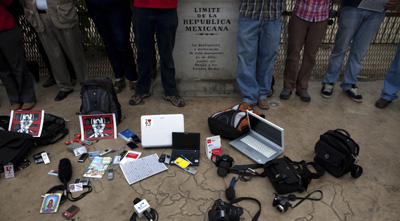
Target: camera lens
280,209
222,172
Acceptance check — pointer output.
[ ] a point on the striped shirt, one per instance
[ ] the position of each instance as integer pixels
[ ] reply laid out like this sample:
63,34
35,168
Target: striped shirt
312,10
261,9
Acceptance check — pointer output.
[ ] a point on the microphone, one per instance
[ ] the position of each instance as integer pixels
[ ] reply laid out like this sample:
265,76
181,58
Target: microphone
142,207
65,172
230,192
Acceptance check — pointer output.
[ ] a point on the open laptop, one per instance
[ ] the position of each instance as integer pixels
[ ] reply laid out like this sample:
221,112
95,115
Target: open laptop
156,130
186,145
263,142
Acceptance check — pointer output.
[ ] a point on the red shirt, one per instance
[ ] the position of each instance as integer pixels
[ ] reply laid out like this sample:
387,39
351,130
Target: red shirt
312,10
7,21
156,3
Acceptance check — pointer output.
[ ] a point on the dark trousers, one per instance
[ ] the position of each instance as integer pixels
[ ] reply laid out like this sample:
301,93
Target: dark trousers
162,22
113,21
14,72
309,34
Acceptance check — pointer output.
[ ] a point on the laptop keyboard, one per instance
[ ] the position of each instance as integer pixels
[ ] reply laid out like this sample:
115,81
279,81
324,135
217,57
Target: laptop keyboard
257,145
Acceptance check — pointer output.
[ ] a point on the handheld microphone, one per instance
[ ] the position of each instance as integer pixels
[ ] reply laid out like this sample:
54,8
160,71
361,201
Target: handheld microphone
65,172
230,192
142,207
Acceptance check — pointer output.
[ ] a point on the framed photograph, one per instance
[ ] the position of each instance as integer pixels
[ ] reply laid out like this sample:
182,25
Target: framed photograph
27,121
98,126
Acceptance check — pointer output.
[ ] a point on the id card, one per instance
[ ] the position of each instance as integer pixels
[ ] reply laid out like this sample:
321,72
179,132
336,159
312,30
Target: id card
75,187
9,170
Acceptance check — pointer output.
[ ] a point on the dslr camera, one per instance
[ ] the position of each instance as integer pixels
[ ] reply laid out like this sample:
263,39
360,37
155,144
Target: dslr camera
222,211
281,203
224,163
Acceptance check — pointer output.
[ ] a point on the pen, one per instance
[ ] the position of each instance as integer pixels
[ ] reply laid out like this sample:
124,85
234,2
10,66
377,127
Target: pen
186,159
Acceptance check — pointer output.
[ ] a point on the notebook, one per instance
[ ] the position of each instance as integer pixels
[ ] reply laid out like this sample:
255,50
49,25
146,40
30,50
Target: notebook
263,142
187,146
156,130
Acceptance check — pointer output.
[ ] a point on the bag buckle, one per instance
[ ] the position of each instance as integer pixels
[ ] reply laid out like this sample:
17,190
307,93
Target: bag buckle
355,157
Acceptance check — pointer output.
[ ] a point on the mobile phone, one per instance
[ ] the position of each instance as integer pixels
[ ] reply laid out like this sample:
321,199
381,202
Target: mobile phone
167,159
83,157
110,174
85,182
123,153
162,158
70,212
132,145
104,152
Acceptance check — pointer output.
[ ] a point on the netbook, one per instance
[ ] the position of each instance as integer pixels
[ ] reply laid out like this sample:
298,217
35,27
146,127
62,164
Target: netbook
156,130
187,146
263,142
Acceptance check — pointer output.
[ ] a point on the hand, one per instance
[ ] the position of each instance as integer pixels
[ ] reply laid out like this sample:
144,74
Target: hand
390,4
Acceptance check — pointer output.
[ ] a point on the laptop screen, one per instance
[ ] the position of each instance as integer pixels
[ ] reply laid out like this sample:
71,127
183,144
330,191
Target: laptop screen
186,140
269,131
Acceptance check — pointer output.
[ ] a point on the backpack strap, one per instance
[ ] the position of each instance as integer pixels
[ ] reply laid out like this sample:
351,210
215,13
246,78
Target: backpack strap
255,218
356,170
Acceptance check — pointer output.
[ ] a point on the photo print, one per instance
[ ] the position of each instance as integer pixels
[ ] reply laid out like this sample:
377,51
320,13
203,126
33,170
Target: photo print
98,126
26,121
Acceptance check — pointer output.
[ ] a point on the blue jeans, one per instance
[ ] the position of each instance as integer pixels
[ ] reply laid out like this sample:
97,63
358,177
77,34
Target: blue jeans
257,46
355,24
113,21
392,80
162,22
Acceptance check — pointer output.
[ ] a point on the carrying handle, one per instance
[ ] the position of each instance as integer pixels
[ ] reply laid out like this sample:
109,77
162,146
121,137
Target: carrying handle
344,131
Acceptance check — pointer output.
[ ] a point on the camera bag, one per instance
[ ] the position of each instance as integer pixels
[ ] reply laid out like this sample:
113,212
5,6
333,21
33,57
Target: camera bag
14,147
231,122
288,176
338,153
98,97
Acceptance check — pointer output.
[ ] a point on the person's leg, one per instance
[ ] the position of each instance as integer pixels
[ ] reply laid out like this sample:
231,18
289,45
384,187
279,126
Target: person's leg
14,71
348,22
247,47
166,25
297,37
144,34
392,80
314,36
359,47
268,48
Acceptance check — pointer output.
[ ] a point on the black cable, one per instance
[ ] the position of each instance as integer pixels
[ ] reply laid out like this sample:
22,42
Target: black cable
153,215
293,197
80,196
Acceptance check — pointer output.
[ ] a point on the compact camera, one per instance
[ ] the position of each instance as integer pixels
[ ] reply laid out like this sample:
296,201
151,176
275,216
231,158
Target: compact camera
222,211
281,203
224,163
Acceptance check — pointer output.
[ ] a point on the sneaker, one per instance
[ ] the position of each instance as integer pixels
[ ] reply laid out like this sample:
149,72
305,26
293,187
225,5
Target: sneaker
382,103
327,90
304,96
49,82
175,100
354,94
28,106
138,98
263,104
285,94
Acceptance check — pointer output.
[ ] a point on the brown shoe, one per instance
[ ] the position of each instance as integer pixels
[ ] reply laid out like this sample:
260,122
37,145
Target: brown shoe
15,106
28,106
263,104
382,103
247,104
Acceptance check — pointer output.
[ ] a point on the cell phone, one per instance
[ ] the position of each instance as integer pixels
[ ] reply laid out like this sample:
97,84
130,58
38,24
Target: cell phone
135,138
167,159
162,158
83,157
110,174
85,182
104,152
70,212
132,145
123,153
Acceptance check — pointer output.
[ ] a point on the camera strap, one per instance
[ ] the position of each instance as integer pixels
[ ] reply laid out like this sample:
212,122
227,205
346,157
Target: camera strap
68,195
255,218
292,197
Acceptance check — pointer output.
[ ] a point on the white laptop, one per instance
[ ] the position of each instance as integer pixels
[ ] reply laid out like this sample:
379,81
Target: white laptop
263,142
156,130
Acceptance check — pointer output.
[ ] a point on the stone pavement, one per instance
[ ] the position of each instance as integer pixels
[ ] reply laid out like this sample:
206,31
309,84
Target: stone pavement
178,195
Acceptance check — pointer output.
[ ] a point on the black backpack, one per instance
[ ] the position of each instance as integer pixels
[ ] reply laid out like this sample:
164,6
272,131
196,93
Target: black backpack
98,97
338,153
54,129
14,147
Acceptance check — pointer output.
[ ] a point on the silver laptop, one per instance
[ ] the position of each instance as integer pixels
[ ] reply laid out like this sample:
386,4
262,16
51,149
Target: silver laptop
263,142
156,130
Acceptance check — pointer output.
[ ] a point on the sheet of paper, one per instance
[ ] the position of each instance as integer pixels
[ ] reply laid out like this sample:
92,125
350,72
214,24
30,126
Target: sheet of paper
142,168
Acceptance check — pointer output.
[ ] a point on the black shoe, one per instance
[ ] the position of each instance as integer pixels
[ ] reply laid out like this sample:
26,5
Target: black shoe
49,82
382,103
327,90
304,96
62,95
354,94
